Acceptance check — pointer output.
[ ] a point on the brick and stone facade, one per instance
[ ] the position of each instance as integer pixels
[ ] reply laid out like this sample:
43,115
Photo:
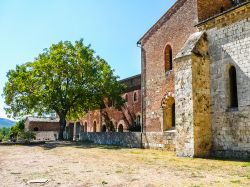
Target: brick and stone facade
210,52
193,95
172,29
45,128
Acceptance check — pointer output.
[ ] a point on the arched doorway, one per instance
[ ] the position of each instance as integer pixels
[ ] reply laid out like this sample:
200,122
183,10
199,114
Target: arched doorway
112,127
94,126
169,114
104,128
120,128
85,127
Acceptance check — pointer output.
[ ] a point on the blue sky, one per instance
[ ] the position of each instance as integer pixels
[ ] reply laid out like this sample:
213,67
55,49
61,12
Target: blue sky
112,27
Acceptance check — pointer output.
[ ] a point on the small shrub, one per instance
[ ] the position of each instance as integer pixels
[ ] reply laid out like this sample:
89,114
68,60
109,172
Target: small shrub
104,182
26,135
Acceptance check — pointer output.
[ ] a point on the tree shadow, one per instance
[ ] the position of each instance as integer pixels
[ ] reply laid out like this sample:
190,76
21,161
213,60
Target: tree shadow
80,145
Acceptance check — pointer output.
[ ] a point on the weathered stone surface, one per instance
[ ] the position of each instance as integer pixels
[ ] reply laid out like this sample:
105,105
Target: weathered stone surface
164,140
47,135
230,45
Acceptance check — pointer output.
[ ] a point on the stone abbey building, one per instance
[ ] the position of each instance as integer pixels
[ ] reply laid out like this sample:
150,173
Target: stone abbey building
193,94
196,77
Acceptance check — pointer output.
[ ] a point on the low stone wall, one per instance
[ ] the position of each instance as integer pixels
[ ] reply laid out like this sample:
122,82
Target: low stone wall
125,139
165,140
46,135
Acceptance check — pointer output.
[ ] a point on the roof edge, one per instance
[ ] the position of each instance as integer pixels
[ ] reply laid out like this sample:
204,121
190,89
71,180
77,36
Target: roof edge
223,13
169,12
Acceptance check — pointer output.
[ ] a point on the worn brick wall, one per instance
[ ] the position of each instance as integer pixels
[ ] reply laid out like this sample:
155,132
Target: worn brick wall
174,28
209,8
229,44
43,126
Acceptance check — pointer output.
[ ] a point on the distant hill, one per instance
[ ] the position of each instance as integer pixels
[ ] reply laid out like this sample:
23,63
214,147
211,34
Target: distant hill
6,123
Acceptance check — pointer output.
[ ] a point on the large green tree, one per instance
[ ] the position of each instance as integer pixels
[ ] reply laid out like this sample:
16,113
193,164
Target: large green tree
67,78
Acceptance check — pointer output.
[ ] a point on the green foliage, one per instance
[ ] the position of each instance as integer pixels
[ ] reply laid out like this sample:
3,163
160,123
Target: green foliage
4,134
17,132
66,78
18,127
26,135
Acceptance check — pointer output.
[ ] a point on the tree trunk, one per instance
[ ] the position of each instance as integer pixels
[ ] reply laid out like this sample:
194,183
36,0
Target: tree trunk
62,123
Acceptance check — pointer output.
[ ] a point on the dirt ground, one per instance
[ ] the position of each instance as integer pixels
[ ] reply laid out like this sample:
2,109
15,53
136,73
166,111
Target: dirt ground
65,164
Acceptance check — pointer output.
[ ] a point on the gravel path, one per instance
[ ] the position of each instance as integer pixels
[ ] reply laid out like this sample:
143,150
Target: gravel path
68,164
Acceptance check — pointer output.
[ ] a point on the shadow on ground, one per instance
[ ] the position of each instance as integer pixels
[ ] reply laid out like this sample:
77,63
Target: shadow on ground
82,145
88,145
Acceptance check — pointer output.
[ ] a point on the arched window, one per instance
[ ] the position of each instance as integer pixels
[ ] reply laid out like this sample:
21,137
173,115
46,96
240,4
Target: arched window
120,128
36,129
85,127
168,58
94,126
135,97
233,87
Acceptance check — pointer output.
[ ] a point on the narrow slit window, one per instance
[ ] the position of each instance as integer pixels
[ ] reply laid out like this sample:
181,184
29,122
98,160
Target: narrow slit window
233,87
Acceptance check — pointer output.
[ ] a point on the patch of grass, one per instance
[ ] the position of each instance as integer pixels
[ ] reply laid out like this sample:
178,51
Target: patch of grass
197,175
118,171
246,164
236,181
156,158
136,152
104,182
247,176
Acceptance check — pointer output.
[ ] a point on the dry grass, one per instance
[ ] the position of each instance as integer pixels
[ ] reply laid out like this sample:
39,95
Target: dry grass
85,165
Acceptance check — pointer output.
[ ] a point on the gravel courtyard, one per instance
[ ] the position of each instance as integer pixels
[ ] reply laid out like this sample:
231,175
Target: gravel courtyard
65,164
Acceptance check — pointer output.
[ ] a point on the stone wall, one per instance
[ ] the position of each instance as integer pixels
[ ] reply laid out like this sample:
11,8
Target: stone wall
164,140
184,108
47,136
229,45
192,91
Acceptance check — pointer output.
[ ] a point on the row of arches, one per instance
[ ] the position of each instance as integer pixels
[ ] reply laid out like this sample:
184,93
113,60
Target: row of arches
119,129
110,126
